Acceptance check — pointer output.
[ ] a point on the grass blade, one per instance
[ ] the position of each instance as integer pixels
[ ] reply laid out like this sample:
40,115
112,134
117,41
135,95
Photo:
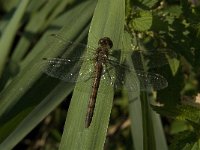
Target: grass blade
10,32
19,98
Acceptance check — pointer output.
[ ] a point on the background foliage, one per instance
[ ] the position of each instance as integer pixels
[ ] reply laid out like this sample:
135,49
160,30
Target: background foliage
33,106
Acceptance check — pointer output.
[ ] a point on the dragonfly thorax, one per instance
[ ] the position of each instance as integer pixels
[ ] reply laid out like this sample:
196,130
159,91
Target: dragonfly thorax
102,54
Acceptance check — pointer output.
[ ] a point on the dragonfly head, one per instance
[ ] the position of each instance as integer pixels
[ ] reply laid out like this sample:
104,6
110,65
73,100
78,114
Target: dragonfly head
105,41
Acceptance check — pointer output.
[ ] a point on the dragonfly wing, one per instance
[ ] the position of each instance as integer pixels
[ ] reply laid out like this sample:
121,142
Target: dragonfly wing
122,75
145,81
66,69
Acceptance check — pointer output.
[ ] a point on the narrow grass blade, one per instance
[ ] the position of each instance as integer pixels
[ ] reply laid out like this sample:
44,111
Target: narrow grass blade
10,32
38,114
144,122
25,91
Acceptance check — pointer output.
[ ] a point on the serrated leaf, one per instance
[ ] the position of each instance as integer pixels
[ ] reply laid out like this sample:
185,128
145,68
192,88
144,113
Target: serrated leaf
185,141
143,22
174,11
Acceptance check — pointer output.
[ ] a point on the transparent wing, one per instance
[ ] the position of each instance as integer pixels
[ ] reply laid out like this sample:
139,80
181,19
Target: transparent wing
115,73
132,79
145,81
67,69
154,58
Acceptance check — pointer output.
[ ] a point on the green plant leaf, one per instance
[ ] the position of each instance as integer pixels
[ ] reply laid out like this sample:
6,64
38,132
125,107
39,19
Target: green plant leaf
142,22
146,125
10,32
19,101
108,20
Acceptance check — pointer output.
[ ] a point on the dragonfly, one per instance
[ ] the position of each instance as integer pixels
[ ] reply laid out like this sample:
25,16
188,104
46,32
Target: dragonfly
104,60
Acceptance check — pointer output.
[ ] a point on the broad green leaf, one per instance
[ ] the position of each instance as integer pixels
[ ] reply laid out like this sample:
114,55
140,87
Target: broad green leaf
174,11
185,141
142,21
108,20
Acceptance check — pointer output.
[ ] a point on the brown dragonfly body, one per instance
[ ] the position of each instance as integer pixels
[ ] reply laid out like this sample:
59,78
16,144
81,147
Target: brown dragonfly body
101,57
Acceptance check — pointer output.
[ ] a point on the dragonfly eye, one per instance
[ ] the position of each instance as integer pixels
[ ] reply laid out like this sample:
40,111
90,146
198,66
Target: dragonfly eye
106,41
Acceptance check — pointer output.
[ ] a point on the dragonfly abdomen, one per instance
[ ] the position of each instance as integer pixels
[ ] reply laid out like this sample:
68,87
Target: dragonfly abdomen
93,96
